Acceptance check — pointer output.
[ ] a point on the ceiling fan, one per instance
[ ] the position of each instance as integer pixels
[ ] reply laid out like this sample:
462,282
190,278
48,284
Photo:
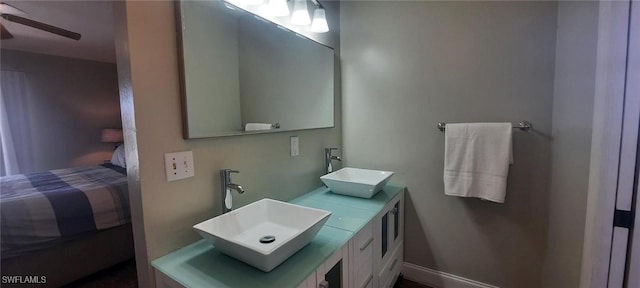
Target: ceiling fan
14,14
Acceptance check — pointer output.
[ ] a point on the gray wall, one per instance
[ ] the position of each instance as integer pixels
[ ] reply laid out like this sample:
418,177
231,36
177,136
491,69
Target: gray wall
168,210
211,72
572,122
70,101
407,66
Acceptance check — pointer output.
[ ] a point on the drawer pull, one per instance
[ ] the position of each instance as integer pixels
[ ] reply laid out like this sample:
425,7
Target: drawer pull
393,264
324,284
366,282
365,245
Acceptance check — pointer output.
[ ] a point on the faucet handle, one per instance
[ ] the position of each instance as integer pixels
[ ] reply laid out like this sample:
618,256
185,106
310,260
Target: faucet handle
329,149
226,173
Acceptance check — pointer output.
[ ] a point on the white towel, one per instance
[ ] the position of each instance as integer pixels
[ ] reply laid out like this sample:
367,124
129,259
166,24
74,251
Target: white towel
257,126
476,160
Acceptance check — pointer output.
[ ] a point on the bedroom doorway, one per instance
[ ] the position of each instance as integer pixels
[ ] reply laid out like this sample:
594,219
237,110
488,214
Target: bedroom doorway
65,199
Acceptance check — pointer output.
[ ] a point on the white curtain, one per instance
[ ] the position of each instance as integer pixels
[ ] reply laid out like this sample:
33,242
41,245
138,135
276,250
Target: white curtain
15,134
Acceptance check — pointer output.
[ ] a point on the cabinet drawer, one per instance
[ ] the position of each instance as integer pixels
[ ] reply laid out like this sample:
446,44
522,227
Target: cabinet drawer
363,257
391,268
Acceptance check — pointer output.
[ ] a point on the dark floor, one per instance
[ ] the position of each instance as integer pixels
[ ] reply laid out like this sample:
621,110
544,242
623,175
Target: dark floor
124,276
404,283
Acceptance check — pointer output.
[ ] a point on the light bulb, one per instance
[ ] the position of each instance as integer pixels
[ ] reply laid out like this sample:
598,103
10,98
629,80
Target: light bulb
300,14
278,8
319,24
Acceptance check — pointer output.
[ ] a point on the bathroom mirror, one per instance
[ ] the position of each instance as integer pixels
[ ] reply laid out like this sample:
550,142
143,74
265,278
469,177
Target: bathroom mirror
238,69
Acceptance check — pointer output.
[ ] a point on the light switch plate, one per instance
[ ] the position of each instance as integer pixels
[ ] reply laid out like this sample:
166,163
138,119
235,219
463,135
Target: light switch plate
295,148
179,165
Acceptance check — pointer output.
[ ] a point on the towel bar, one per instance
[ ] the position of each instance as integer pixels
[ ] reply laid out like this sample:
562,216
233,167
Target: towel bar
523,126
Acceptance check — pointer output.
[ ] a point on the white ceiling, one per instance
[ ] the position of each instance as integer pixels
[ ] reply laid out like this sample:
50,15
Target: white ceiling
92,19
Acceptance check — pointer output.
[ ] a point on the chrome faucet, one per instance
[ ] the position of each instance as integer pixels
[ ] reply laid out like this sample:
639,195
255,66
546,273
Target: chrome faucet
328,158
227,186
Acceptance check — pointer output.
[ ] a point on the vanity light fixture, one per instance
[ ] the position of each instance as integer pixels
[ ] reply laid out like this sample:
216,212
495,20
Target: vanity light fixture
278,8
319,24
300,14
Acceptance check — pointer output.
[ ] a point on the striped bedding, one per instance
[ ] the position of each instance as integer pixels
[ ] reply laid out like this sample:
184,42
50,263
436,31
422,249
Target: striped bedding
42,209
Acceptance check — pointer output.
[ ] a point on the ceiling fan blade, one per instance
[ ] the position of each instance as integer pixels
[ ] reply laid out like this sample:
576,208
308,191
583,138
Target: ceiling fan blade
4,33
41,26
10,9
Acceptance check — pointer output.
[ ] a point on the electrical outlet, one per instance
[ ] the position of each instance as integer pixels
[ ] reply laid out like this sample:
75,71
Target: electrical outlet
295,149
179,165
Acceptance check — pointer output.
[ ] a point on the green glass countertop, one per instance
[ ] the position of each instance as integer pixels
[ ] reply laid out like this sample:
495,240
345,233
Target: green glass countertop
200,265
348,213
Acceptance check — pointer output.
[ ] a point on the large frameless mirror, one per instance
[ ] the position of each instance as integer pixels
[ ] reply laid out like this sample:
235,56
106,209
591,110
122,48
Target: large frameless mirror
241,74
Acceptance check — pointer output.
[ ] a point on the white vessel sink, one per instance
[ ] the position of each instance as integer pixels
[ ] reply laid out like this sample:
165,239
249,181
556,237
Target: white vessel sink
356,182
241,233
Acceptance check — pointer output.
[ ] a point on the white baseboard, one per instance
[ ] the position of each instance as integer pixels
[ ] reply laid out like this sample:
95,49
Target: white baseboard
439,279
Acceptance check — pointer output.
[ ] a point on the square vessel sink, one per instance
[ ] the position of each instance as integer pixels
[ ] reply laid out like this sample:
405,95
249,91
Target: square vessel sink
264,233
363,183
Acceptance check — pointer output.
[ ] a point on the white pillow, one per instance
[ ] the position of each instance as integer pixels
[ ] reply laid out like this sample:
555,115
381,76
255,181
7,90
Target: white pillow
118,157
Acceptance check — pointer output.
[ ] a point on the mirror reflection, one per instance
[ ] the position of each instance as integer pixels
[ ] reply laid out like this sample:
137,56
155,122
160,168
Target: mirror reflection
243,75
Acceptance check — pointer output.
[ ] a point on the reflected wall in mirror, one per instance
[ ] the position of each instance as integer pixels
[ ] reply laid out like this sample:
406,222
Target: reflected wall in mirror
237,68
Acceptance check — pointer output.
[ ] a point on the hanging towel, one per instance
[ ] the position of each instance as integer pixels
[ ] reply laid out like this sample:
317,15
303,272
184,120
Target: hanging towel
476,160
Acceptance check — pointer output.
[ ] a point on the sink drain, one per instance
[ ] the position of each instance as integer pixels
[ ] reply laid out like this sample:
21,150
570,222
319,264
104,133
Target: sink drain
267,239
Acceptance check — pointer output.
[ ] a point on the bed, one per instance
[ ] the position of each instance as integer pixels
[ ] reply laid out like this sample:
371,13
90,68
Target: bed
64,224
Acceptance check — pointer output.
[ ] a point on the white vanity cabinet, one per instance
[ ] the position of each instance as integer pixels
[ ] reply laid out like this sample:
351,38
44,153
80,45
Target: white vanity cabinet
388,249
373,257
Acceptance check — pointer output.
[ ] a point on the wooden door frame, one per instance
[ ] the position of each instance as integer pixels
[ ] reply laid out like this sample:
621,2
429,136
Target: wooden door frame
123,64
